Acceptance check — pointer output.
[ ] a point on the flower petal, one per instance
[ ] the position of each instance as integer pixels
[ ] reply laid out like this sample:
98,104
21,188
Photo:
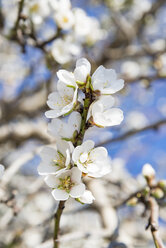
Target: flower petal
77,190
60,195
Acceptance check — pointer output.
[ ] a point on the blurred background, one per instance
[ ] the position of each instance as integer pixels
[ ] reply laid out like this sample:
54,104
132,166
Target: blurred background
126,35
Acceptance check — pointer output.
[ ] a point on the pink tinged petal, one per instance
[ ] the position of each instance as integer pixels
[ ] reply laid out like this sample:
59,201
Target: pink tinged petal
60,195
52,181
66,77
77,190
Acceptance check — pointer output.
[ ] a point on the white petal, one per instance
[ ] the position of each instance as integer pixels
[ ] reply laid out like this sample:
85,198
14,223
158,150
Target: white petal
76,175
76,153
88,145
83,157
75,120
148,171
87,197
44,169
111,117
82,70
60,195
105,80
52,181
47,154
66,77
98,153
77,190
82,168
64,90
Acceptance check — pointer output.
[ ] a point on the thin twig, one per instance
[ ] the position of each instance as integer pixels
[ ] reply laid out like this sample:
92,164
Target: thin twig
153,223
130,133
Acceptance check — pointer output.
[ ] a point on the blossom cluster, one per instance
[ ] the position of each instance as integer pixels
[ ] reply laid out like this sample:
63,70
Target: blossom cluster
74,23
80,101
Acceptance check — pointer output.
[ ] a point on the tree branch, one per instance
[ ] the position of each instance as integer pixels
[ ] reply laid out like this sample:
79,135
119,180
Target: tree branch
153,223
154,126
57,223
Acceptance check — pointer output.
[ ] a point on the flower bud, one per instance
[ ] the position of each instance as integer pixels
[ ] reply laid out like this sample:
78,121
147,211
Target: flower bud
132,202
148,172
158,193
162,185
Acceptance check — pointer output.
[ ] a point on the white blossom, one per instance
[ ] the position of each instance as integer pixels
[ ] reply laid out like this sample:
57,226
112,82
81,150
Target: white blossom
60,128
148,171
61,101
60,4
64,18
90,160
103,113
86,28
66,184
38,10
87,197
54,161
2,168
105,80
64,50
82,70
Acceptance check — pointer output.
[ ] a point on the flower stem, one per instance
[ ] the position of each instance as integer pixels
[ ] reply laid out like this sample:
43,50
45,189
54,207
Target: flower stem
87,103
57,223
79,139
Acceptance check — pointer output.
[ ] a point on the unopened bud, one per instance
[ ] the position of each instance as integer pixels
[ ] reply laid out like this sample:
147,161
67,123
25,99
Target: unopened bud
132,202
162,185
148,172
158,193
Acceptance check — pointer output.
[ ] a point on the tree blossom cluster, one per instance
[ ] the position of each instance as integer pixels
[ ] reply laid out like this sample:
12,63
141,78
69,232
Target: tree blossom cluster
75,26
80,101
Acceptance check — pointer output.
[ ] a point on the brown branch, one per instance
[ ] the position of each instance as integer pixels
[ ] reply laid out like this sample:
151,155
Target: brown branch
20,8
155,126
153,222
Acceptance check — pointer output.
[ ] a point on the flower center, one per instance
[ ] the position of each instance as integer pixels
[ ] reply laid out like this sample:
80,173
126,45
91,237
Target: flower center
105,85
85,159
34,8
65,19
65,100
59,161
66,184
